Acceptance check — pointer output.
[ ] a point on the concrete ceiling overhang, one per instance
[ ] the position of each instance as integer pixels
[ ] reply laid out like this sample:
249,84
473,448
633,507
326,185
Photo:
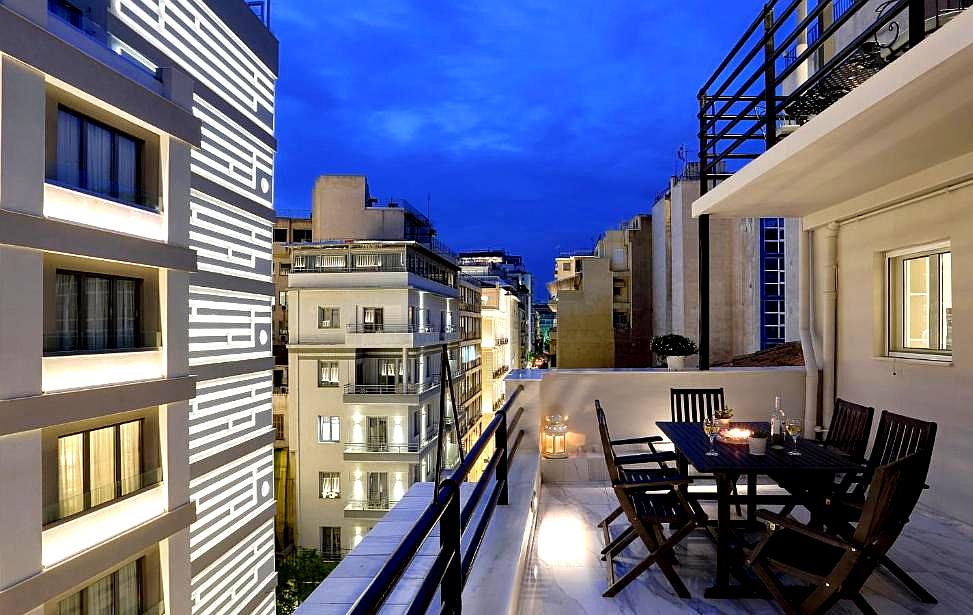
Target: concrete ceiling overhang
915,114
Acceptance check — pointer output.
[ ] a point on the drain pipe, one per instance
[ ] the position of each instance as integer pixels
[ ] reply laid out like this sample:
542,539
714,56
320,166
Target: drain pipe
830,316
805,280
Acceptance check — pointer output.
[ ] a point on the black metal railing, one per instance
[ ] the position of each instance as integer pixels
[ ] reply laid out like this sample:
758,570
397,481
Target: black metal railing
452,566
389,327
398,388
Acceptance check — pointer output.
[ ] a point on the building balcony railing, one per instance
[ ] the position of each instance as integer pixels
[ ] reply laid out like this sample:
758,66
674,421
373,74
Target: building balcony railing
500,371
758,95
382,447
69,176
390,327
412,388
468,365
99,496
499,403
381,505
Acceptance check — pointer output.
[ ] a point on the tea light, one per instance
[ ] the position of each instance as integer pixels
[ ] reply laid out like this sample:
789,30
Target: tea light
738,433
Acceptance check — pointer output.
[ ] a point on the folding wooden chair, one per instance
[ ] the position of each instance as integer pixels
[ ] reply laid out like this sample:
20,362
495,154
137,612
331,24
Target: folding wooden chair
647,502
898,436
835,566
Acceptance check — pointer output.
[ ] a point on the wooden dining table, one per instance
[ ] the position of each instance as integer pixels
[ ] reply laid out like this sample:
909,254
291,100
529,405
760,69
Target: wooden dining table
813,470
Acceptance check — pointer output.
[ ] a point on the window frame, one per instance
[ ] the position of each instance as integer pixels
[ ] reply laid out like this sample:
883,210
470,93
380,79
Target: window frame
114,194
81,316
329,384
86,468
278,229
334,320
334,425
116,597
331,475
894,298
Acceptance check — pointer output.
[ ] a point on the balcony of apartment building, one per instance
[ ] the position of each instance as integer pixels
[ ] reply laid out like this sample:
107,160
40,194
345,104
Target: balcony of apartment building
528,533
372,264
397,439
398,334
385,382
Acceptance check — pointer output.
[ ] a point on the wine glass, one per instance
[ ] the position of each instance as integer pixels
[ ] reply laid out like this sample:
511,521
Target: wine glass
794,428
711,427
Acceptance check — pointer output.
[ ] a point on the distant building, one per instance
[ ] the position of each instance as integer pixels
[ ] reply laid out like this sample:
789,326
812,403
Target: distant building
603,300
512,270
371,298
545,319
501,345
752,307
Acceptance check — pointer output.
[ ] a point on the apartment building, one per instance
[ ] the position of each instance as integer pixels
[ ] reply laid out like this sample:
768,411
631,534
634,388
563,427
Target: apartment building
500,342
752,306
603,300
372,300
136,205
512,269
467,366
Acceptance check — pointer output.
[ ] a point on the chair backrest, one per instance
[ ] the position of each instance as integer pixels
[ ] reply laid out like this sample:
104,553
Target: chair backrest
694,405
899,436
892,496
606,444
850,427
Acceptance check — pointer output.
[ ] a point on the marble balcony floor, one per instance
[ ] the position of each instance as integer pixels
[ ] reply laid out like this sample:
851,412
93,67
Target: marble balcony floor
565,575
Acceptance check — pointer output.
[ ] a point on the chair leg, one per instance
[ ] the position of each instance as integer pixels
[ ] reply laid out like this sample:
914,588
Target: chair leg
863,605
628,577
773,586
907,580
667,557
618,544
787,510
735,492
607,520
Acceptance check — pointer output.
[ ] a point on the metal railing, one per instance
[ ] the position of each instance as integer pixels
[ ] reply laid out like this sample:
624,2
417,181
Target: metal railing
379,505
412,388
381,447
105,495
452,566
71,176
389,327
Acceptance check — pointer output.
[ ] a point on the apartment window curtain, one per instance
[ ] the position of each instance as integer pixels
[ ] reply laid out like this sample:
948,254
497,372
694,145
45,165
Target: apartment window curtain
130,439
125,298
70,605
98,158
129,600
99,597
96,313
67,312
101,465
126,155
70,475
68,162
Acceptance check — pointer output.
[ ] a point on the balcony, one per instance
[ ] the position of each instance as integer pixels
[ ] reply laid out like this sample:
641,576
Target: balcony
384,451
371,264
541,549
369,509
397,335
398,393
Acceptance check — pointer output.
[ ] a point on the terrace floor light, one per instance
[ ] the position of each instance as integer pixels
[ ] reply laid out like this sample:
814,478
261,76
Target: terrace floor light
555,437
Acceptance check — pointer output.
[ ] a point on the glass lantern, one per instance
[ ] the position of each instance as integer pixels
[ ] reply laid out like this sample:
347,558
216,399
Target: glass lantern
555,437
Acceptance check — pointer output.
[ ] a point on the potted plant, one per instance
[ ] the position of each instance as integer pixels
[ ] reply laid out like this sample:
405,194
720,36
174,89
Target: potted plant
674,348
723,415
758,442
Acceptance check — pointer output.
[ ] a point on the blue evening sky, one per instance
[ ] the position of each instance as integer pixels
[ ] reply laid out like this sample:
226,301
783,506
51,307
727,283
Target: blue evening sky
532,125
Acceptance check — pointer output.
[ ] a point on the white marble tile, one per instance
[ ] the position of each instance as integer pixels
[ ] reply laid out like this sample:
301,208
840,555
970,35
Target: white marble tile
566,575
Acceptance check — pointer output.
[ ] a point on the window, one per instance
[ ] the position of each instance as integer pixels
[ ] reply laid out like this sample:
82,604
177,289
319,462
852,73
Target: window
331,542
566,266
120,593
620,319
96,312
772,300
280,235
329,484
285,268
920,302
97,158
328,318
283,299
374,319
278,426
302,235
97,466
329,429
327,373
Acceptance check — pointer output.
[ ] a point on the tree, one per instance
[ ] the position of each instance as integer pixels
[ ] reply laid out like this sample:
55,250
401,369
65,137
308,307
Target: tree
298,575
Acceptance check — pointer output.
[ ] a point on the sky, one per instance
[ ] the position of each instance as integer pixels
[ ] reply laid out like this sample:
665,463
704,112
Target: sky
528,125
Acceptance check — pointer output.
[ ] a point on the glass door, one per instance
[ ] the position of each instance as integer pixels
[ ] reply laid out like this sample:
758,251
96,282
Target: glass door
374,319
378,439
378,490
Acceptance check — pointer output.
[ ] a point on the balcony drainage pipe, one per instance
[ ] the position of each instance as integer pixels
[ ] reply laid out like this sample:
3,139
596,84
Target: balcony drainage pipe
805,280
829,317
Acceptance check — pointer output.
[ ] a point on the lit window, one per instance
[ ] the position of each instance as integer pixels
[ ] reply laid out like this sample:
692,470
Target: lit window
330,485
285,268
920,302
119,592
328,373
329,429
331,542
328,318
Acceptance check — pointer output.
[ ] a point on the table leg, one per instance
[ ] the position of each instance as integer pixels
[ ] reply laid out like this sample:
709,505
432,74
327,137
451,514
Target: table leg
723,532
751,497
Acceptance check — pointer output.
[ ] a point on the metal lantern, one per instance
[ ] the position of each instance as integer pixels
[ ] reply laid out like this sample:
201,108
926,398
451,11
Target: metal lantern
555,437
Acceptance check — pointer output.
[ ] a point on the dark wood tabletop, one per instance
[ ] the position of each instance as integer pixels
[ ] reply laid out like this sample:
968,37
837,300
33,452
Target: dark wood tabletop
690,440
